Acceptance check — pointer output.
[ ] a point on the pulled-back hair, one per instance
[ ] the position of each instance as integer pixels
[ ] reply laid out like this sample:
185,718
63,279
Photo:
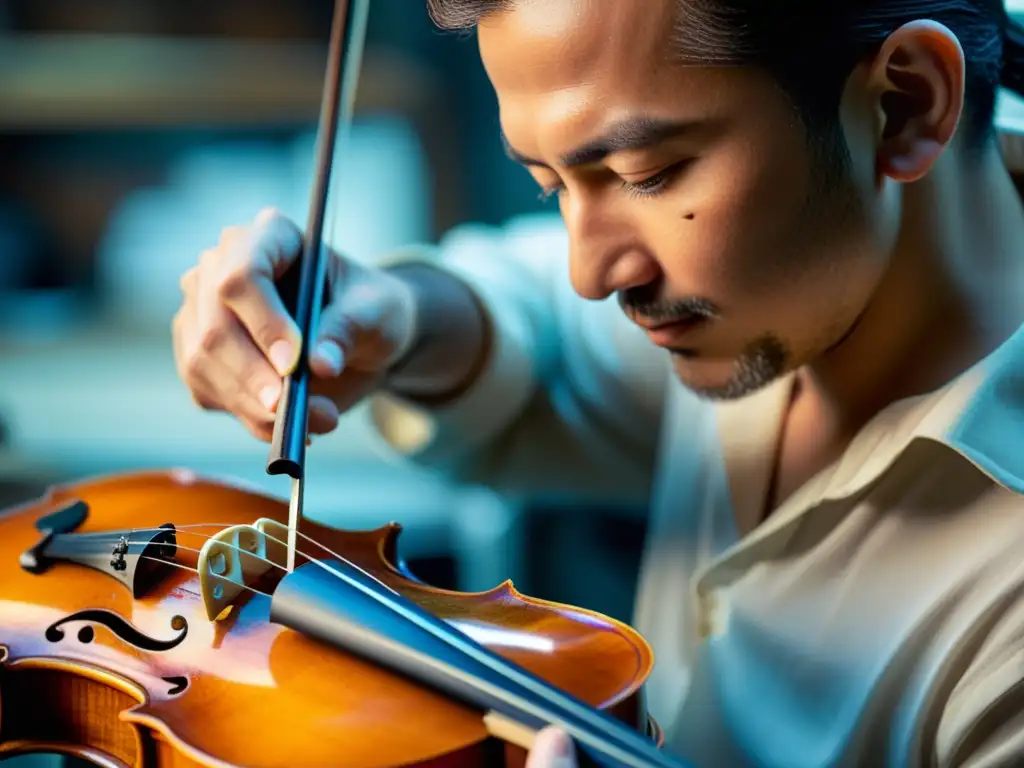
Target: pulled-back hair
812,46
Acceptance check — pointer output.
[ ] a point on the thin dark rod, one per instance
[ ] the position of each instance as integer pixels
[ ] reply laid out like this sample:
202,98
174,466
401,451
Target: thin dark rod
303,293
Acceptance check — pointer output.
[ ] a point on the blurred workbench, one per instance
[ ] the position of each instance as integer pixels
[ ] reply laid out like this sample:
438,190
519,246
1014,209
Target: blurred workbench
105,400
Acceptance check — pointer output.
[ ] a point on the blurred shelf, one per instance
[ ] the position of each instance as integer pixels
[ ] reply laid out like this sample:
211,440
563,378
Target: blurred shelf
96,81
107,395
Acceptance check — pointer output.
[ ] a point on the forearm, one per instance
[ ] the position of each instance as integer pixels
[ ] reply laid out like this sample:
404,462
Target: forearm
540,408
453,338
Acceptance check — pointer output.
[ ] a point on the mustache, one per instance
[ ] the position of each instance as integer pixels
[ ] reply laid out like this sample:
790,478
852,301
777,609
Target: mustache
644,301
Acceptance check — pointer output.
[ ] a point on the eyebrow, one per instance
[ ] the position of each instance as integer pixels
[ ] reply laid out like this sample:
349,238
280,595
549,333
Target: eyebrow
630,134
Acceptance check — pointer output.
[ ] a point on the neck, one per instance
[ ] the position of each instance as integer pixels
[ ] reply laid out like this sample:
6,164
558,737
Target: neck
951,294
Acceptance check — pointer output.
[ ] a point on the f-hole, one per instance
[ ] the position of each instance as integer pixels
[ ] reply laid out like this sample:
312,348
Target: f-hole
120,627
178,685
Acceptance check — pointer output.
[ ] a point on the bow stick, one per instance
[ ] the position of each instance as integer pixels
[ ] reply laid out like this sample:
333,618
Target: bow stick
302,286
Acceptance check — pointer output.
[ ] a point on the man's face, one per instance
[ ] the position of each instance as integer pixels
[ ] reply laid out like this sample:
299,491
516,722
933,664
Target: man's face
690,193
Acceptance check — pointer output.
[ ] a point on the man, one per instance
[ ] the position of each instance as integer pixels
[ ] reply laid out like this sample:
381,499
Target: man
810,223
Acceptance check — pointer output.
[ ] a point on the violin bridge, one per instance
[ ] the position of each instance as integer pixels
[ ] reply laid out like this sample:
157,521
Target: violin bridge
234,560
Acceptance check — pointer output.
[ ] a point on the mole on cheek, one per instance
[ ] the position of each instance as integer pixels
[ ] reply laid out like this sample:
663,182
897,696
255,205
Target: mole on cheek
689,216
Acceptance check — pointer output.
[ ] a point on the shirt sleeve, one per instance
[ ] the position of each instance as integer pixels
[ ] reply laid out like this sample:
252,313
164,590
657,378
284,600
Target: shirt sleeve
570,401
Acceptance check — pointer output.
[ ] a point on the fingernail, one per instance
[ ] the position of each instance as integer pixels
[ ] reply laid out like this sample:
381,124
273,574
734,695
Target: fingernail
281,356
330,354
564,748
269,395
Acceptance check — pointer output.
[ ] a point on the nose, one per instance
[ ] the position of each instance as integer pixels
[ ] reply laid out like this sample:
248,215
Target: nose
606,254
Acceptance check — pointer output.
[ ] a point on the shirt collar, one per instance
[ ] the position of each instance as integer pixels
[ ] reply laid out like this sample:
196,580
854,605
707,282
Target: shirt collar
979,414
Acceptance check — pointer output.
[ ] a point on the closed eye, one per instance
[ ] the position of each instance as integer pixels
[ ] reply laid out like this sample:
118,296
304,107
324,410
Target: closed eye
656,184
649,187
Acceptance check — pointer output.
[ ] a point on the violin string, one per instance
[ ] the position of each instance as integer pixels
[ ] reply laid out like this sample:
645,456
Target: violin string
113,536
199,552
341,559
541,690
99,534
193,570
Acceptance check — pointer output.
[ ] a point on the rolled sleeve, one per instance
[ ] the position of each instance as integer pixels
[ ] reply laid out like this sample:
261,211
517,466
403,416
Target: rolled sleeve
569,401
517,303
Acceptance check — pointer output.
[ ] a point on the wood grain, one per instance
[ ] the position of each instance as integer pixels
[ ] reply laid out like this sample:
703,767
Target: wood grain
258,694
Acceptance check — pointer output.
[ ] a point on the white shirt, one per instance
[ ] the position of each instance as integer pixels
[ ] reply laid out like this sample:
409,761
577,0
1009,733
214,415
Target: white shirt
875,619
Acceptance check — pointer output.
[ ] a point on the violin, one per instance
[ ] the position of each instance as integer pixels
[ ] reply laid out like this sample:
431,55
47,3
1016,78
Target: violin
166,619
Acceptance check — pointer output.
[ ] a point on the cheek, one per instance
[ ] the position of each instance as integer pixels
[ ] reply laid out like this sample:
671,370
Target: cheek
763,247
747,214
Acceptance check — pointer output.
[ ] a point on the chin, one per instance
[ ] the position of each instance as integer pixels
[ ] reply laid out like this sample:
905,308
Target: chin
706,378
724,380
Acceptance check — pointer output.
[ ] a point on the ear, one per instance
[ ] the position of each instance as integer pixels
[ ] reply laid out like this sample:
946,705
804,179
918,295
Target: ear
918,79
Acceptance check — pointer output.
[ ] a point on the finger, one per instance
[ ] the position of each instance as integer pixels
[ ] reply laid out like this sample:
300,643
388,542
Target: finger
188,283
183,323
552,749
335,341
191,368
230,236
353,330
323,415
334,333
245,285
245,365
348,389
323,418
261,434
200,386
236,398
254,417
220,335
202,391
179,329
222,366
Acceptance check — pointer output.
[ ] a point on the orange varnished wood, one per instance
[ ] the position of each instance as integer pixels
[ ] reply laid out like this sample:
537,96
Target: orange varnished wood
259,694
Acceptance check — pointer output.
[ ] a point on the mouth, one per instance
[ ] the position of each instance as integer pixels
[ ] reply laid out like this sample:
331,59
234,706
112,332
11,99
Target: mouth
669,334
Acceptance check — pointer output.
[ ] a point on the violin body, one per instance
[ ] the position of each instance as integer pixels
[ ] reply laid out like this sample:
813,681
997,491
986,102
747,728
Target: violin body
117,660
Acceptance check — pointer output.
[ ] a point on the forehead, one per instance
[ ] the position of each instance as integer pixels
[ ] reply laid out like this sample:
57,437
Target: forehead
581,34
576,65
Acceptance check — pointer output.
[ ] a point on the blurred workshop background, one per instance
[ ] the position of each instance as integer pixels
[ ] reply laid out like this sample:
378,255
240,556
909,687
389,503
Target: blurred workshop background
131,132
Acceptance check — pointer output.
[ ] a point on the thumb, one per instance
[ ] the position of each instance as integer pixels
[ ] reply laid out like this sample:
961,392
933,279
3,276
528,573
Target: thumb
552,749
334,340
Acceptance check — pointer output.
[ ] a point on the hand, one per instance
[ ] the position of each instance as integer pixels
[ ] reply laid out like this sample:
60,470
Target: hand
234,341
552,749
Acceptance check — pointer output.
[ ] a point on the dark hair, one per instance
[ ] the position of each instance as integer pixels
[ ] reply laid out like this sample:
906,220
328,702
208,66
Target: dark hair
812,46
